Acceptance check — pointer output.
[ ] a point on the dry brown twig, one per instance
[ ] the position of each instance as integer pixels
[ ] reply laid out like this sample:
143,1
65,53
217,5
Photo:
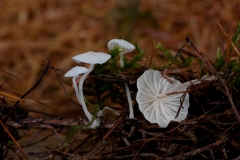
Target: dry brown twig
152,53
13,139
199,150
11,96
227,36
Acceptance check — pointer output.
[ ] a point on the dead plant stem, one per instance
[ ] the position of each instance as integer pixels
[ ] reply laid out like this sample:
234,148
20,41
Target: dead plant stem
227,36
13,139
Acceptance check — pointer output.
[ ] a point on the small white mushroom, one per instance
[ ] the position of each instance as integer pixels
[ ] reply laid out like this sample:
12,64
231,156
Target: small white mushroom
125,47
74,73
159,100
91,58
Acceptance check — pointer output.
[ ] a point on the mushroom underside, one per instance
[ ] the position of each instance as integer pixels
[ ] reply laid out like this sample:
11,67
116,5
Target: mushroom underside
156,106
163,110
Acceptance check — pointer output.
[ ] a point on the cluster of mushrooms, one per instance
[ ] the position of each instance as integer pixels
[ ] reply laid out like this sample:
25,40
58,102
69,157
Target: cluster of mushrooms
158,99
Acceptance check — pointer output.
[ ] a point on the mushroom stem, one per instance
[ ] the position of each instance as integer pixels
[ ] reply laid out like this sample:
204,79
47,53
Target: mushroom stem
88,114
182,87
121,59
131,114
76,88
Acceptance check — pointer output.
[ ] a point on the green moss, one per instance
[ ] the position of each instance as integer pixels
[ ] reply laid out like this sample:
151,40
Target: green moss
179,61
128,64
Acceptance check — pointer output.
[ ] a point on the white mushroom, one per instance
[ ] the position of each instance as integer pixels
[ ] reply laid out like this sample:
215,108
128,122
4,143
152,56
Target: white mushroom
125,47
74,73
159,100
91,58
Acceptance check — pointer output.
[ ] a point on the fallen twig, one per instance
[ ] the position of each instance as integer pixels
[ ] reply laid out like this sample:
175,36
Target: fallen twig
13,139
199,150
11,96
227,36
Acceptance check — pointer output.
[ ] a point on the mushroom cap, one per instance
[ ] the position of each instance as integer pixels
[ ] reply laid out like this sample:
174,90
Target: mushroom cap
92,57
124,45
75,71
156,106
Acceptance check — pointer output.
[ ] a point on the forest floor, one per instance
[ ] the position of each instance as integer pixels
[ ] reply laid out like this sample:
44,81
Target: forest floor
33,32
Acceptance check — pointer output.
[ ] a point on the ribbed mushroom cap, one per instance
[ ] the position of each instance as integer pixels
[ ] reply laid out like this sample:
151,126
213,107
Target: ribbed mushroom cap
75,71
156,106
124,45
92,57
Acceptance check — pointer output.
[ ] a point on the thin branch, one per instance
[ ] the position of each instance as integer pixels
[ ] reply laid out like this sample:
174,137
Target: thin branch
226,35
199,150
150,62
11,96
52,123
13,139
